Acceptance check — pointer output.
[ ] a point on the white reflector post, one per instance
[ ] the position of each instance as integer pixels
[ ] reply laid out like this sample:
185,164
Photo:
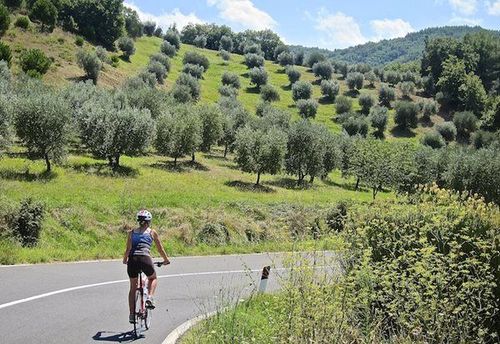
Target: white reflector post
264,278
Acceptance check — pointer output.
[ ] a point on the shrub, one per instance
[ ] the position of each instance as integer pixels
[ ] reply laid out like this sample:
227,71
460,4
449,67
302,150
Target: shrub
406,115
258,76
90,63
269,94
225,55
356,125
293,74
307,108
168,49
5,53
27,223
355,81
102,54
200,41
126,44
337,217
386,95
343,104
366,102
79,41
45,12
330,89
214,234
193,70
191,82
254,60
115,60
158,70
378,117
34,62
228,91
465,122
196,58
231,79
163,59
173,38
22,22
433,139
323,70
4,19
447,130
301,90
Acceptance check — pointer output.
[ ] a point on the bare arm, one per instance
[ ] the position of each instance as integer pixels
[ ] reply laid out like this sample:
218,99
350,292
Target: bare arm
128,247
160,248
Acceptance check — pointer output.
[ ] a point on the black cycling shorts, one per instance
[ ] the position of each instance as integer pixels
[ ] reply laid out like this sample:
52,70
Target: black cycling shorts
136,264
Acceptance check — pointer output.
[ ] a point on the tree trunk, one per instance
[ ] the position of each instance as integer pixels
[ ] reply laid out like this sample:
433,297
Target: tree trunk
357,184
175,161
193,157
117,161
312,179
47,162
110,161
258,178
225,150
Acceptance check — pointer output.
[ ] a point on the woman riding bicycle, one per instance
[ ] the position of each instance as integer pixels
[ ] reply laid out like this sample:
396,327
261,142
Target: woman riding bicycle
138,258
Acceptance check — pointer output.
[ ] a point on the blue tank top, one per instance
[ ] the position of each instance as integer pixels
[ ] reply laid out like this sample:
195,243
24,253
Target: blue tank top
141,243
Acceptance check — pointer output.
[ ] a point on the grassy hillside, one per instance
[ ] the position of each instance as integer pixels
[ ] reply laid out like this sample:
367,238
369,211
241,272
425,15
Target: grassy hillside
60,46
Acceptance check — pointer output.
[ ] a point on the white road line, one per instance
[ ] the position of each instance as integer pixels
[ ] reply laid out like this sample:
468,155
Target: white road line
174,336
56,292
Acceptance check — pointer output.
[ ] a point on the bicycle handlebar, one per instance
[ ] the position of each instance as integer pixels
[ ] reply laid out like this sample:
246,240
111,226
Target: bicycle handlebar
159,264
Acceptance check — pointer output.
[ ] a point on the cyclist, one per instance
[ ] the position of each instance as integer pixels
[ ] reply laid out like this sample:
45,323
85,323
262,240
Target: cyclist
138,258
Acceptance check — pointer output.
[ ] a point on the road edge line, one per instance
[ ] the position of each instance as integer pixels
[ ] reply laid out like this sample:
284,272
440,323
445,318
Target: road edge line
180,330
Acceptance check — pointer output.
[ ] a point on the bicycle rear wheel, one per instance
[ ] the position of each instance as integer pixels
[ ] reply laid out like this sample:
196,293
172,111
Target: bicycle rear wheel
147,318
138,324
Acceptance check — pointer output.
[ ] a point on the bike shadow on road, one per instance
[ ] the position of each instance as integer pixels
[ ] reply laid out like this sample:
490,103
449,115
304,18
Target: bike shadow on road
109,336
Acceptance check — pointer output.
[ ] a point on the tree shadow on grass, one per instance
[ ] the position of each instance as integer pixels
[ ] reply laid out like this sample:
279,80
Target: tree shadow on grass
281,71
325,101
286,87
345,185
425,122
245,75
27,176
249,187
402,132
212,156
317,82
109,336
77,79
351,93
104,170
290,184
180,167
254,90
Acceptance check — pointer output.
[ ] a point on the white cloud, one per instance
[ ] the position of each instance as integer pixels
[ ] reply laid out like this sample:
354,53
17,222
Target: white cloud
244,13
341,30
493,8
465,7
464,21
387,29
168,18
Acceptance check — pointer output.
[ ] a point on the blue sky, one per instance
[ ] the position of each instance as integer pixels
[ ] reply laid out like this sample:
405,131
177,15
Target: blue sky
327,24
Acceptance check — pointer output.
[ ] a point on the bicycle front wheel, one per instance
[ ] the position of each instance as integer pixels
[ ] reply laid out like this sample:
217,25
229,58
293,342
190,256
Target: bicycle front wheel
138,325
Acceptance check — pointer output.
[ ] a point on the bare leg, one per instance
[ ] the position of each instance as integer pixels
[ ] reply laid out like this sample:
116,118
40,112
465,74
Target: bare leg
131,295
152,282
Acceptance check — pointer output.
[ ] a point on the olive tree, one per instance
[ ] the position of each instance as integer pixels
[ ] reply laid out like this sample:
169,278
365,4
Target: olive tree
172,36
378,118
447,130
366,102
285,59
330,89
258,76
301,90
323,70
235,117
226,43
254,60
407,89
211,125
4,19
6,110
466,123
260,151
355,125
343,104
428,108
158,69
307,108
127,46
196,58
200,41
193,70
269,93
228,91
231,79
386,96
355,81
149,28
168,49
433,139
42,122
163,59
406,116
90,63
44,12
371,77
192,83
293,74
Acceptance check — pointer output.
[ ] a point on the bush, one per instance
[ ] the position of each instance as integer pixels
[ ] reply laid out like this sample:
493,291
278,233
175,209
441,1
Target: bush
193,70
214,234
228,91
102,54
355,81
27,223
168,49
386,95
4,19
258,76
22,22
366,102
200,41
115,60
90,63
254,60
231,79
5,53
379,117
447,130
301,90
173,38
34,62
79,41
343,104
330,89
45,12
269,94
158,70
433,139
293,74
323,70
225,55
483,139
191,82
307,108
356,125
163,59
406,116
337,217
196,58
126,44
465,122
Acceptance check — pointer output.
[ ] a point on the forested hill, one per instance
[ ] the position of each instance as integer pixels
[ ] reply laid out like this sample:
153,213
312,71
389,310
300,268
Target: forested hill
404,49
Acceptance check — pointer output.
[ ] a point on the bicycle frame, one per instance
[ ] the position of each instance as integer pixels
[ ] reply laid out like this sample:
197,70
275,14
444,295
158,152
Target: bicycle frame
142,314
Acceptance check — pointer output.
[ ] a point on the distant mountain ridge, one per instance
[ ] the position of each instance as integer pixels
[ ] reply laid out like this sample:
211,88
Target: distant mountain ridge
403,49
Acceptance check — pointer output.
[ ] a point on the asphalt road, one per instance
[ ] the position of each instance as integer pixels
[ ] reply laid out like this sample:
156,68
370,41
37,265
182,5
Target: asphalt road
60,303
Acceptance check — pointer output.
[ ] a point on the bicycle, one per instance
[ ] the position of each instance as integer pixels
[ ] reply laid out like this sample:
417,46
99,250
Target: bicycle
142,314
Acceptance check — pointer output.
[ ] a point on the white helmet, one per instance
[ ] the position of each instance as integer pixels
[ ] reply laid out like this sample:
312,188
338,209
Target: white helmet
144,215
